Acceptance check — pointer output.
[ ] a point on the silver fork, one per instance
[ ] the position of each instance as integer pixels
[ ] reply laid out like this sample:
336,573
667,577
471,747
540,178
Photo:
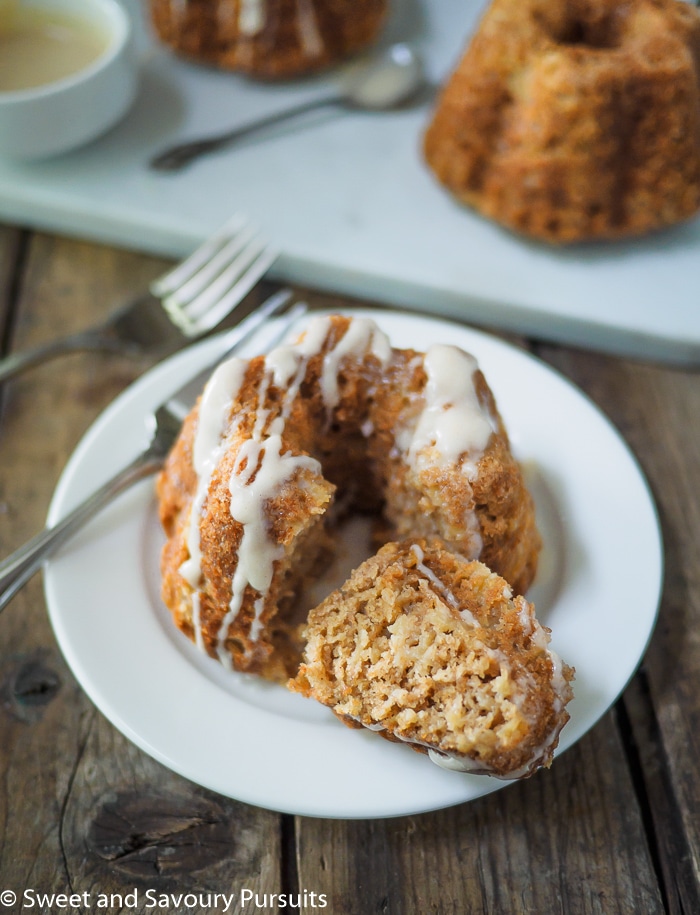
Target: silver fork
166,419
183,304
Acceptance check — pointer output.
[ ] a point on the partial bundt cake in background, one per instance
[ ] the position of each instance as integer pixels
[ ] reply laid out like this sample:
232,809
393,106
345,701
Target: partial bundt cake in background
272,39
435,651
570,120
280,446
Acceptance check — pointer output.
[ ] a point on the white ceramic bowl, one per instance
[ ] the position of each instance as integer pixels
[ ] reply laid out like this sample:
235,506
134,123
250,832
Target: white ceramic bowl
58,116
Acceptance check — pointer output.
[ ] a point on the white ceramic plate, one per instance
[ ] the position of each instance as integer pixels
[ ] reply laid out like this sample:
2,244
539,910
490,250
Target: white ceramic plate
598,590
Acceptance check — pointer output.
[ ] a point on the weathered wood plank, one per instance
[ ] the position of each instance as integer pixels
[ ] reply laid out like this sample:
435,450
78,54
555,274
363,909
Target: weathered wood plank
658,410
10,245
569,840
81,809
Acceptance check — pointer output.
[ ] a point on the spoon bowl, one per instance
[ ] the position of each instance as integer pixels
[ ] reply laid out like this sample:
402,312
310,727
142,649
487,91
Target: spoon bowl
384,80
380,82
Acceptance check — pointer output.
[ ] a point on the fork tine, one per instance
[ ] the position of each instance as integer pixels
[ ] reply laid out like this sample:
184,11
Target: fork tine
207,275
175,278
212,306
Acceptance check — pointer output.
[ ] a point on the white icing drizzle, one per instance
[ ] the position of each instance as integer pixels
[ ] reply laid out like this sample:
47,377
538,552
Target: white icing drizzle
443,759
560,684
196,619
252,15
261,467
458,763
441,587
453,428
309,35
209,444
362,337
453,424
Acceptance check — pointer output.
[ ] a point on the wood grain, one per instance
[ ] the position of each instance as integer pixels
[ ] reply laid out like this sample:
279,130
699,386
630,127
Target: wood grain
657,410
540,846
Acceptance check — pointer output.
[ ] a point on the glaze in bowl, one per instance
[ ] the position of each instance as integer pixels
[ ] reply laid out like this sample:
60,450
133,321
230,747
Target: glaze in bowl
60,115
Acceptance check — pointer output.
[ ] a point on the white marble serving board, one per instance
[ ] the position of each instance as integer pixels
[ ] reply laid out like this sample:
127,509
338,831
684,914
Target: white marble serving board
349,202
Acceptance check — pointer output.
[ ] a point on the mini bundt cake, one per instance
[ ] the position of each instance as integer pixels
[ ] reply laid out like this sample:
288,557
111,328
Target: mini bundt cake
430,649
571,120
268,38
281,445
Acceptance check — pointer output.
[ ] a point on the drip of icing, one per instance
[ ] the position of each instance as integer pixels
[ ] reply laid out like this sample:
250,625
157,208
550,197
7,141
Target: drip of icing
445,760
257,553
453,424
460,763
560,684
362,336
196,620
252,16
453,428
214,410
261,468
441,587
309,36
258,473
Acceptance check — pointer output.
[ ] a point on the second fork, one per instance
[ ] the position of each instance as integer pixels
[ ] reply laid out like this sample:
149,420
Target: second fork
183,304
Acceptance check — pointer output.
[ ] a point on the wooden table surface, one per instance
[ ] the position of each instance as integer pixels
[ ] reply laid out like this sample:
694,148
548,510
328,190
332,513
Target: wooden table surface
613,827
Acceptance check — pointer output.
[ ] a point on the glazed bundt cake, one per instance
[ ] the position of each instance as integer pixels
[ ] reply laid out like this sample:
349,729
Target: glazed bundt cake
281,446
430,649
569,120
268,38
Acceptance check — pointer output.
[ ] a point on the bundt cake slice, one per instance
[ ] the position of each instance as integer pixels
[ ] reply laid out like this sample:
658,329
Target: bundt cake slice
428,648
570,120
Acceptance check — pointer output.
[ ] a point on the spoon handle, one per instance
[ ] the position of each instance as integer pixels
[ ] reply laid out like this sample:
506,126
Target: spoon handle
176,157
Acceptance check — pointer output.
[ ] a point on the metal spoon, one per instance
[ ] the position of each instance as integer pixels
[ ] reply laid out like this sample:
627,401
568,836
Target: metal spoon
380,83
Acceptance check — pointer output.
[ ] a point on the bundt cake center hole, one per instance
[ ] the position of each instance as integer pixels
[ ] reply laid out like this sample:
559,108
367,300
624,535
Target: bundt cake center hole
589,35
596,32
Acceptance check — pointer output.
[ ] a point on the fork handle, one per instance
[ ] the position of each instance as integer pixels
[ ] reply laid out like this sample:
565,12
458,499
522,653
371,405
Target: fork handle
15,363
17,569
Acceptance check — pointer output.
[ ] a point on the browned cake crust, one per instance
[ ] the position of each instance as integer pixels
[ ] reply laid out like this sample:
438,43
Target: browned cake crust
350,456
284,38
569,120
430,649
